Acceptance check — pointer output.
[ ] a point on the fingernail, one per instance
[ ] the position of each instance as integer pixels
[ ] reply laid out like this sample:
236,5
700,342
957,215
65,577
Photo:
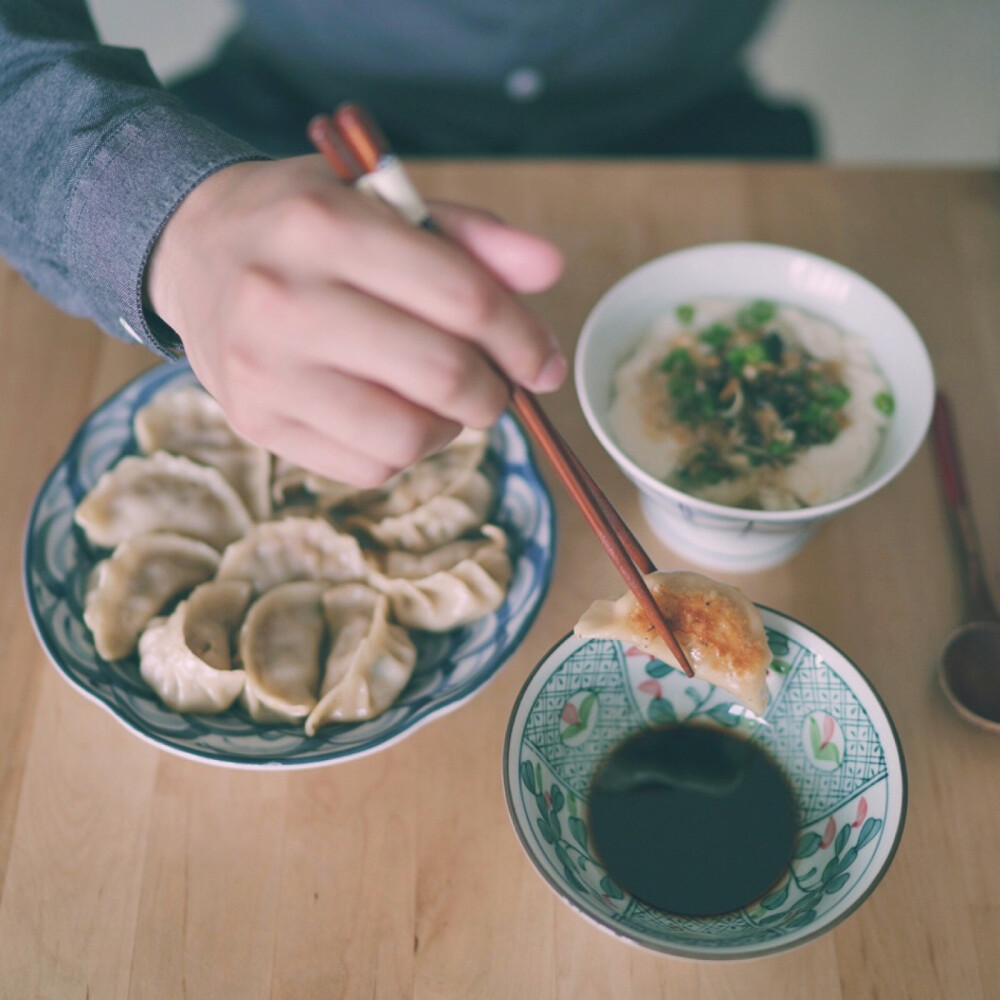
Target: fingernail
552,374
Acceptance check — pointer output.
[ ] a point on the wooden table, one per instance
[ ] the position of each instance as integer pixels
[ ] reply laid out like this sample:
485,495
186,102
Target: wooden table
127,872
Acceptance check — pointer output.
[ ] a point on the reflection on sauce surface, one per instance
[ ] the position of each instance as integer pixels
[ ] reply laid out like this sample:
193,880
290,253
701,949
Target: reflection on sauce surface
692,820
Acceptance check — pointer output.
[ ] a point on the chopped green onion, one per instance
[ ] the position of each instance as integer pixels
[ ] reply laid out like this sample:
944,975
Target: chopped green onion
679,360
716,336
885,403
685,314
757,313
736,358
835,395
682,385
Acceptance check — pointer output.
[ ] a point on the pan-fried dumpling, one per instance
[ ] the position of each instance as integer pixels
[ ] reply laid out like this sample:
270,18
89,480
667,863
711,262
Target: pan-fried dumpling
369,662
280,642
436,521
214,613
185,680
162,492
190,422
451,586
135,583
296,548
719,629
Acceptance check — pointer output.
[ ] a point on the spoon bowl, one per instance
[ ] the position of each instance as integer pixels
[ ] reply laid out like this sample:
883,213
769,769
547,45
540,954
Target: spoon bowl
969,673
969,666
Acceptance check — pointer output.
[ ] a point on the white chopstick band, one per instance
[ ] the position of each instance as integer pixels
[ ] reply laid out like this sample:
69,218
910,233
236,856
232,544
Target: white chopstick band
392,184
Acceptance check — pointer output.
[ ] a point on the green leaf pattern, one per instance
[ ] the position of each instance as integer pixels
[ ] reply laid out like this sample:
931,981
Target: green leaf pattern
820,750
835,876
570,845
817,873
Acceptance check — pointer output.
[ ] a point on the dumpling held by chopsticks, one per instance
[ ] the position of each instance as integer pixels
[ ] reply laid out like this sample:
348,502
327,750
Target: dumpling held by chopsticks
719,629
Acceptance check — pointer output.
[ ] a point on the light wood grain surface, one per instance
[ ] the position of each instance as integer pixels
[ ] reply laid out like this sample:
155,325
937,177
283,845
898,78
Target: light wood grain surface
126,872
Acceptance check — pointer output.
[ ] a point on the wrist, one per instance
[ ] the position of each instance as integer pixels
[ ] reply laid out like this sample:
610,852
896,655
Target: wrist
177,246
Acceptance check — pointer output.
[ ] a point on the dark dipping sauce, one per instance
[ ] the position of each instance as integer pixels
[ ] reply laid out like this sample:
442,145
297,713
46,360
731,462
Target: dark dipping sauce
692,820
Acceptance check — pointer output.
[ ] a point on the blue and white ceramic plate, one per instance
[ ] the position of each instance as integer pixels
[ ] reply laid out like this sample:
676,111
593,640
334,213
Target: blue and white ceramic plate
451,667
824,725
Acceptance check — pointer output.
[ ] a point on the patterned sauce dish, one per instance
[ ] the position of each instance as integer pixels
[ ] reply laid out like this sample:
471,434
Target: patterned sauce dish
450,666
819,292
824,726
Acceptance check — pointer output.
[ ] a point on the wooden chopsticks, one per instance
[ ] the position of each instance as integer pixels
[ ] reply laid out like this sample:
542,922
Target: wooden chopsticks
355,148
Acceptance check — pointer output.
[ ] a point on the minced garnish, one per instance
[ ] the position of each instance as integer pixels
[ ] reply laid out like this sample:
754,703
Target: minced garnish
751,398
885,403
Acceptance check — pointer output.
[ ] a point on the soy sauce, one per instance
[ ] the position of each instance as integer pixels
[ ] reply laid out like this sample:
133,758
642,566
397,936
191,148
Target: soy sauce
692,820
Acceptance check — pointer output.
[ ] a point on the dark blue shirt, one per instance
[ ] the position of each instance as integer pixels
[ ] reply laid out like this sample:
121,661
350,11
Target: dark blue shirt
95,155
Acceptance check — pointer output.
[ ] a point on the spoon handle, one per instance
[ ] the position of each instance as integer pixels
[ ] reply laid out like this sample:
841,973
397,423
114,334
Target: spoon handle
979,604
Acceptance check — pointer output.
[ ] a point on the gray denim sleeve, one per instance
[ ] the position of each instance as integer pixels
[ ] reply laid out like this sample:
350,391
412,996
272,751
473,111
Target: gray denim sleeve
94,158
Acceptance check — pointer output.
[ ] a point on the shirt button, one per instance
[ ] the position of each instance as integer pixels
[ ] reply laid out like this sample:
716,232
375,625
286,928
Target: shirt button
525,83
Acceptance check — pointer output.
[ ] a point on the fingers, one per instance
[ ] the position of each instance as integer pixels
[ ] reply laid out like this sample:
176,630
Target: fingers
336,425
521,260
337,236
335,334
306,447
342,330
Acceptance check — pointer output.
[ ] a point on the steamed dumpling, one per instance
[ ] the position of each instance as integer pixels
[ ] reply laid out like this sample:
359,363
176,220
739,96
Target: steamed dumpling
328,494
431,476
280,643
436,521
162,492
451,586
190,422
296,548
185,680
369,662
213,615
402,493
135,583
719,629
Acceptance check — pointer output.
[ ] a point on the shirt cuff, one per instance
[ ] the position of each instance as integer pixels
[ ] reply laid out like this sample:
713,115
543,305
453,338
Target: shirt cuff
123,198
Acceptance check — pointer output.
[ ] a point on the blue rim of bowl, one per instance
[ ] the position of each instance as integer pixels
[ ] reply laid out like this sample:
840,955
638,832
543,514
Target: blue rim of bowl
426,710
679,952
639,475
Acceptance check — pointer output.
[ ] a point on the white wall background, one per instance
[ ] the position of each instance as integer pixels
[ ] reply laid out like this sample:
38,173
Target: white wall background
891,81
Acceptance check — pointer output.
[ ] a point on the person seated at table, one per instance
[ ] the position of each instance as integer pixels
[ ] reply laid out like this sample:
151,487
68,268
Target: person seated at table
331,332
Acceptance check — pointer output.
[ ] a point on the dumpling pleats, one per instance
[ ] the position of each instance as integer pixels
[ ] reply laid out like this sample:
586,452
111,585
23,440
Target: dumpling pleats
162,492
452,586
190,422
436,521
137,581
370,659
213,616
183,680
280,646
296,548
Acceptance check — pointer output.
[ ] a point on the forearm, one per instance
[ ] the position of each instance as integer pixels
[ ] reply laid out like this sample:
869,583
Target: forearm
94,158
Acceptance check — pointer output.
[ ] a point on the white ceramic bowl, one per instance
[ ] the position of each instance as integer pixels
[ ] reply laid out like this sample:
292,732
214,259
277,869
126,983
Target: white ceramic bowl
824,725
731,538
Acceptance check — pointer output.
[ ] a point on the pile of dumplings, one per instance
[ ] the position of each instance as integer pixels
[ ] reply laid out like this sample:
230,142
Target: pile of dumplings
292,594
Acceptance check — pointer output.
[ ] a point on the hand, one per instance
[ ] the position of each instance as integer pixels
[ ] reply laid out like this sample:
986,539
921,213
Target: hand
336,335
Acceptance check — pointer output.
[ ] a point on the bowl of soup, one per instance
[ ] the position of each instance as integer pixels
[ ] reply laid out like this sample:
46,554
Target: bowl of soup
751,391
669,814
